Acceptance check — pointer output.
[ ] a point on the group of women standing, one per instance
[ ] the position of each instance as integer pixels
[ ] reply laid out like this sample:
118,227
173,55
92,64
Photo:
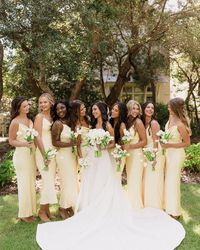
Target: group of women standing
54,123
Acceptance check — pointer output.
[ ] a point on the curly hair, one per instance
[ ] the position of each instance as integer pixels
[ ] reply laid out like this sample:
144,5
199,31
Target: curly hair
54,110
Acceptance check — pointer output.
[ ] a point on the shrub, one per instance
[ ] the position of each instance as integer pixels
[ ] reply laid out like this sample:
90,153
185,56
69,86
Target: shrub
162,114
7,171
192,160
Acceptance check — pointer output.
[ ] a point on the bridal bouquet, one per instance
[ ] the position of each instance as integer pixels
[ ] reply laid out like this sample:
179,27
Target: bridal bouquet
73,137
119,154
29,136
164,138
127,136
49,155
98,138
150,155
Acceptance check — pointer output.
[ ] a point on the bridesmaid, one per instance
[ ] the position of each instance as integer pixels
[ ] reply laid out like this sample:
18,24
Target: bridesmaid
135,162
118,121
65,159
153,179
42,124
79,119
23,160
178,126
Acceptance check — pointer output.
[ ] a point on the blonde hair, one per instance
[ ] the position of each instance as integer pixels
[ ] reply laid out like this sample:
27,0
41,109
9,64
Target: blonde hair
131,120
177,105
49,97
130,105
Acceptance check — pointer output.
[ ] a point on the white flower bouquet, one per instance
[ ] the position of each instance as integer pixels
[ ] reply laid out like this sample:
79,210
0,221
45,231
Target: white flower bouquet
73,137
150,155
119,154
48,156
98,138
29,136
127,136
164,138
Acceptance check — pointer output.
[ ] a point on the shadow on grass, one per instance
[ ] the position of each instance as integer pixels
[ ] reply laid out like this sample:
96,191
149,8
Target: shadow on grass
191,216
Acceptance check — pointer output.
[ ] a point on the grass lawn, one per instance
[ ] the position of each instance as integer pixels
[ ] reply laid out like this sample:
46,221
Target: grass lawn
21,236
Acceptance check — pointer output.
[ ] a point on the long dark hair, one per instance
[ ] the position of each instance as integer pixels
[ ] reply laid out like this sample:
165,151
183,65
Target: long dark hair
131,120
104,114
74,113
122,118
54,110
15,106
144,105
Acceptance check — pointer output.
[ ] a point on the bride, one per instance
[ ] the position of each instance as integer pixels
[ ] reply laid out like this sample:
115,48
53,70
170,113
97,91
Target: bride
104,219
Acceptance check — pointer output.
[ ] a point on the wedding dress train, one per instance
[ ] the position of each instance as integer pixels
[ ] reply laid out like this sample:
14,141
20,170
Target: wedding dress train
104,219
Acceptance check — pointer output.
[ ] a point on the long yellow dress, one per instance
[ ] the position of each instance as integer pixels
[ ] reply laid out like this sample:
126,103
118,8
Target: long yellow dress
48,192
67,169
134,170
154,179
24,163
174,162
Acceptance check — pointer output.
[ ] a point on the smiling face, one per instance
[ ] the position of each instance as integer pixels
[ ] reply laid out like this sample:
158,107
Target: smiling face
24,107
61,110
115,112
82,110
96,111
44,104
135,111
149,110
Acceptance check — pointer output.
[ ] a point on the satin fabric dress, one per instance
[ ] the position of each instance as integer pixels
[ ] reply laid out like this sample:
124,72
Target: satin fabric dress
154,179
174,162
48,191
134,170
105,220
67,170
24,163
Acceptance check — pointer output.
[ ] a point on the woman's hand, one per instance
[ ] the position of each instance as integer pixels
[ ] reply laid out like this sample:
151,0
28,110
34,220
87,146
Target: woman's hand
28,144
126,146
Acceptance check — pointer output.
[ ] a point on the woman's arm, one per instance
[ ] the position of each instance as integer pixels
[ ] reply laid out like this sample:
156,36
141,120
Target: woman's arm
142,136
111,132
38,127
56,132
14,126
121,132
185,138
155,127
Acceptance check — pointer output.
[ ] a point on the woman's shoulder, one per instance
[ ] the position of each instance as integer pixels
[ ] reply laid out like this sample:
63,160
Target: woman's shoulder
15,122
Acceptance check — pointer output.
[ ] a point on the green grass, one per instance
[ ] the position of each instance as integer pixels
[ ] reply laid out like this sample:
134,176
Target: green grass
15,235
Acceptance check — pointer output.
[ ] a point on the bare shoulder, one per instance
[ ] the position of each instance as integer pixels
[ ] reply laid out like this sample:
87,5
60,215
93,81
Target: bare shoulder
14,122
57,124
39,117
155,124
108,125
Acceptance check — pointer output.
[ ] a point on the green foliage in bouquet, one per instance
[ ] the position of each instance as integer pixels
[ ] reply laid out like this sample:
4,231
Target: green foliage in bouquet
192,160
7,171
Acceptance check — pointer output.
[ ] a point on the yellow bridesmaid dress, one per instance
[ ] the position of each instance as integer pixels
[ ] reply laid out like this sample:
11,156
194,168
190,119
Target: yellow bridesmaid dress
24,163
67,169
84,132
48,192
174,162
154,179
134,170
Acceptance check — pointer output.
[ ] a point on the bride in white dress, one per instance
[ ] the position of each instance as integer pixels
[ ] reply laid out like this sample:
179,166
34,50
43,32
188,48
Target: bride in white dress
104,219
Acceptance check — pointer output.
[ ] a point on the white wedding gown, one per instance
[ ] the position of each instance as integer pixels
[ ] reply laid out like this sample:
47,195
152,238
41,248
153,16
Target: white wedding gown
105,221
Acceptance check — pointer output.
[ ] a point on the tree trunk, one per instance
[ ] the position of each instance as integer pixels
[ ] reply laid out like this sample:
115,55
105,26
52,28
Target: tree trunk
77,89
1,70
122,77
31,80
42,80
